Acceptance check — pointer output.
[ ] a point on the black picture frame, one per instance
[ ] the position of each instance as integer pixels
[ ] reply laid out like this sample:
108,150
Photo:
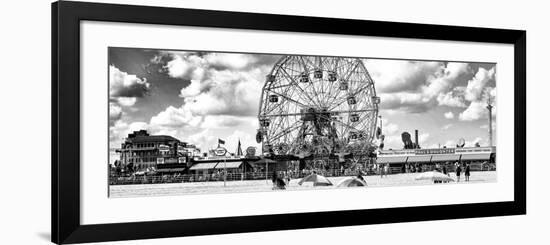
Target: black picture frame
65,219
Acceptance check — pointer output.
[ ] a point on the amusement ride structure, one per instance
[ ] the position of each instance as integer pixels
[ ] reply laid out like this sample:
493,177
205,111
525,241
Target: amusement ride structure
321,109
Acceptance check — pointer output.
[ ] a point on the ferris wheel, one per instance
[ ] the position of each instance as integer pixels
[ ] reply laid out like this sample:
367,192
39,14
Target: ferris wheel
317,105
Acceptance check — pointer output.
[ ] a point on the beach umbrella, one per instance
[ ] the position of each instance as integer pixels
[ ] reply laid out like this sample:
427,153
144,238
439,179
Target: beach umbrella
318,180
351,182
433,176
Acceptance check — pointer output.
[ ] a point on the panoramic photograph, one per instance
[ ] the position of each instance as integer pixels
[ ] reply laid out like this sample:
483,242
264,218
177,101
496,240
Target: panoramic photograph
187,122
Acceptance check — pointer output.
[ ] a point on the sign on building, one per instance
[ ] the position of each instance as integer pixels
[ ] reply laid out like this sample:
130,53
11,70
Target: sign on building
182,159
160,160
251,151
164,148
220,151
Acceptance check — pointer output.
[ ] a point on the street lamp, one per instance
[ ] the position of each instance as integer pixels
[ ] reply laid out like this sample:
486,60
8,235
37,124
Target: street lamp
380,116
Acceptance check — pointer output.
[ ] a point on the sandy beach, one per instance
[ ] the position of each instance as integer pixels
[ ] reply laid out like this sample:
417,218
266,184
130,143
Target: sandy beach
373,181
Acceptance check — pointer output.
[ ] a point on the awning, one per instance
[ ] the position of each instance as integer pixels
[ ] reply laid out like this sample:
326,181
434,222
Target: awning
401,159
166,170
477,156
445,157
222,165
423,158
203,166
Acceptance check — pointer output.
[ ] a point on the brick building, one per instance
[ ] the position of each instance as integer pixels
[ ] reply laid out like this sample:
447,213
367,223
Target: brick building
146,151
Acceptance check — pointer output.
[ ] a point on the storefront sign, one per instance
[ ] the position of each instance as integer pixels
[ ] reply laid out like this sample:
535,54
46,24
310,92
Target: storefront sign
397,152
164,148
434,151
220,151
251,151
475,150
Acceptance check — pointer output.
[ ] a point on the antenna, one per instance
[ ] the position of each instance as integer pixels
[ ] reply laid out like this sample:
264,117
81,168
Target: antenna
490,108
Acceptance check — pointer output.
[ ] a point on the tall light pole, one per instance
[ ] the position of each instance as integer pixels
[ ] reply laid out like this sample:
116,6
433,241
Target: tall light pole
380,116
490,108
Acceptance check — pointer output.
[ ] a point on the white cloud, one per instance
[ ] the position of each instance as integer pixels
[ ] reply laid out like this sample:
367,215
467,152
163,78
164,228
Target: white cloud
126,101
453,98
422,138
223,121
120,130
124,89
393,142
446,81
193,89
204,139
220,83
195,66
447,126
176,117
406,101
229,61
186,66
416,87
390,128
115,112
223,93
122,84
226,93
400,75
202,130
478,83
449,115
475,111
478,92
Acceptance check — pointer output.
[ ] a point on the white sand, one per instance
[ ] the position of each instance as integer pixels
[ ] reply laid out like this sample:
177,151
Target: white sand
263,185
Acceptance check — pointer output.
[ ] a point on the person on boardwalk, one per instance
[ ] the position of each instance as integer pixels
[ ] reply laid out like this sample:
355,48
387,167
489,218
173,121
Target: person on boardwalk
467,172
458,170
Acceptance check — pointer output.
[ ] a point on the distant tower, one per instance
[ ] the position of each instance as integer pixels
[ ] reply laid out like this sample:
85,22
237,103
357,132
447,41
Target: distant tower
416,146
490,108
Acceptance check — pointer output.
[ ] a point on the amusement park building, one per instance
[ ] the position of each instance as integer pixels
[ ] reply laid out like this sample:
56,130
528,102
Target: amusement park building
146,151
402,159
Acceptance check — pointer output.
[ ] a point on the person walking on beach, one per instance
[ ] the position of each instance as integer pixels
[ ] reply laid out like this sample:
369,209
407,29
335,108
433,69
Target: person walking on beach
381,170
360,177
458,170
467,172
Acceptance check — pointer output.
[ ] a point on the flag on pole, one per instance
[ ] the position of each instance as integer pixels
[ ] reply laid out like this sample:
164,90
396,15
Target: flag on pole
221,142
239,150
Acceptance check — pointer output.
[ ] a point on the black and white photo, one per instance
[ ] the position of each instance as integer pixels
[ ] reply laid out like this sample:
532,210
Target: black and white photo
206,122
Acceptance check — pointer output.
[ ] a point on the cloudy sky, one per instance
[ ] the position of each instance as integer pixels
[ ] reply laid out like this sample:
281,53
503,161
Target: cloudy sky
199,97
